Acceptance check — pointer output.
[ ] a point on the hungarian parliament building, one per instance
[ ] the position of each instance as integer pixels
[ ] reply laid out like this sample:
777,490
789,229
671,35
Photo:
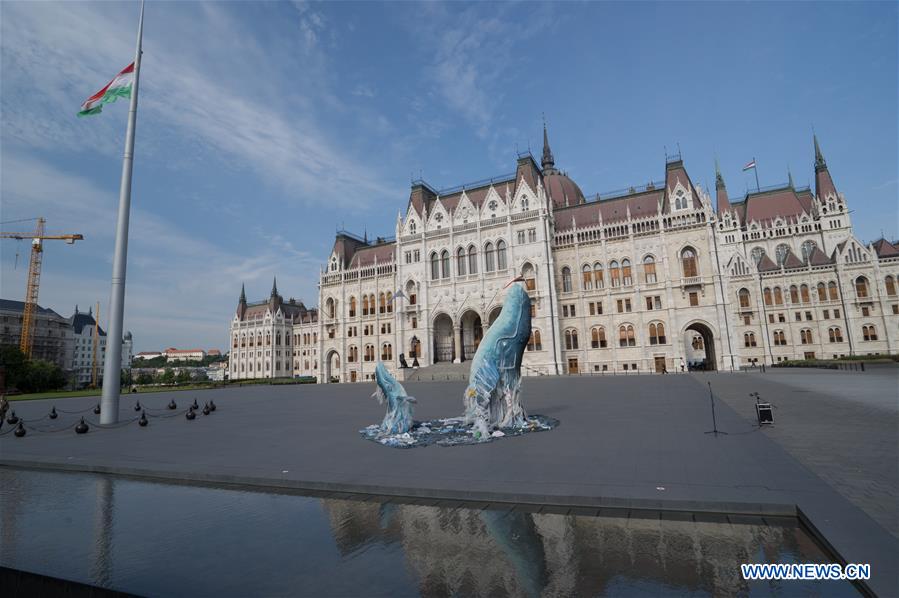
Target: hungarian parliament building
654,278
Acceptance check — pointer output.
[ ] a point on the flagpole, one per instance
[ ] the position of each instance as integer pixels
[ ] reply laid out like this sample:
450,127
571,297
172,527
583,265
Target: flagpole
755,169
109,404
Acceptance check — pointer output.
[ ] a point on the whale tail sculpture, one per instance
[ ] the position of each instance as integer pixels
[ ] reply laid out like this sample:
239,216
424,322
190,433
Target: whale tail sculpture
492,397
398,419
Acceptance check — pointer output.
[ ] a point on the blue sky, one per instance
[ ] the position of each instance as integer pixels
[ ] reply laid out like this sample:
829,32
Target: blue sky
263,127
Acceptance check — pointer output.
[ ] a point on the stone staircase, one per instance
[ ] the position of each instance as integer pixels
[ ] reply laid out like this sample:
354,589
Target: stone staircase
438,371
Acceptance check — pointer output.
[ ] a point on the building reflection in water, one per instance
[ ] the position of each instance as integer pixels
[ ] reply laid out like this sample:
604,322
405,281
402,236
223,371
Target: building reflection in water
103,533
496,553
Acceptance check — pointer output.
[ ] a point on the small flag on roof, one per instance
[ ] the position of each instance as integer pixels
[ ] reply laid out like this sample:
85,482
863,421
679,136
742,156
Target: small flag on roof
397,295
749,166
119,87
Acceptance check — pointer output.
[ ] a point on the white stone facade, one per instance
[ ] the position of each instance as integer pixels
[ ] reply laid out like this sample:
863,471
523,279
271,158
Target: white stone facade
650,279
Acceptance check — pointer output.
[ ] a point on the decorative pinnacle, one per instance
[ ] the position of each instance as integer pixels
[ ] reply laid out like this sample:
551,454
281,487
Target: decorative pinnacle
243,294
548,162
274,286
819,157
719,180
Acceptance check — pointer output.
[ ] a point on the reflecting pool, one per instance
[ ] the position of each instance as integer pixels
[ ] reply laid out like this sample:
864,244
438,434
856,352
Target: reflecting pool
156,539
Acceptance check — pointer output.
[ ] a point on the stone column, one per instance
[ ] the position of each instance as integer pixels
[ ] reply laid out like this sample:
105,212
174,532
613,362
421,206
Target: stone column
457,343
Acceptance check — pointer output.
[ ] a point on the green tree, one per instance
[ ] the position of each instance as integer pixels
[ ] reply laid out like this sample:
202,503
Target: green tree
183,376
168,377
16,365
144,378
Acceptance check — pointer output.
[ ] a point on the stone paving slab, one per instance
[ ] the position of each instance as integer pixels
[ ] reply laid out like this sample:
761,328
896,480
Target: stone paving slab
623,443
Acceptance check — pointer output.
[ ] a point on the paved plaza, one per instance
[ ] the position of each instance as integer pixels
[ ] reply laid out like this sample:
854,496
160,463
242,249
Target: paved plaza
624,442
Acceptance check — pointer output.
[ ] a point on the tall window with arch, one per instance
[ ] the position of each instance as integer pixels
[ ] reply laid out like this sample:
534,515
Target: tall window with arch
571,339
444,264
869,333
489,257
501,255
807,248
657,334
861,287
778,296
822,291
805,336
804,294
794,294
832,290
680,200
744,298
615,273
649,269
566,279
534,342
757,254
472,259
524,203
352,307
688,262
598,338
530,276
587,277
626,272
626,337
767,295
435,266
835,335
780,253
412,228
889,284
461,261
598,281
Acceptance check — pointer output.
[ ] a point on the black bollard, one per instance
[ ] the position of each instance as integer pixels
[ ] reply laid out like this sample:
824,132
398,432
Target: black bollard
12,419
82,427
20,430
53,414
195,406
190,414
97,409
142,422
211,405
172,404
206,409
137,406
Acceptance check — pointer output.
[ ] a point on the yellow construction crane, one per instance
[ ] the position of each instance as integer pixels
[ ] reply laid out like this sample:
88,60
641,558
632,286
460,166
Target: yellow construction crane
34,277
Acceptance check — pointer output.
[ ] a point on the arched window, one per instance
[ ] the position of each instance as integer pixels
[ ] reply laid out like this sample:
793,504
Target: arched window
807,248
352,307
778,296
835,334
680,200
488,258
767,294
570,339
435,266
805,336
412,228
524,203
587,277
352,354
869,333
626,336
386,352
529,275
369,354
749,339
822,291
653,335
803,293
649,269
861,287
566,279
779,338
598,281
794,294
234,344
757,254
832,290
598,337
780,253
626,272
364,305
444,264
615,273
461,262
501,255
534,343
472,260
890,283
688,261
744,297
331,307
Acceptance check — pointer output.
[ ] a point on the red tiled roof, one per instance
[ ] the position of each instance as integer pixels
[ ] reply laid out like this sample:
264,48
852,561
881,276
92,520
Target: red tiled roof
818,258
766,265
884,248
791,261
766,206
640,205
366,256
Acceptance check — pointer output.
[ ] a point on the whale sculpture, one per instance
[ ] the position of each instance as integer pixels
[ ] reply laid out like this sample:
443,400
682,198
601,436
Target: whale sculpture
398,419
494,384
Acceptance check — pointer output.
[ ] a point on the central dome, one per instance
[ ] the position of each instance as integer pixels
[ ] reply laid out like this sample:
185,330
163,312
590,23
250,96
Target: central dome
562,190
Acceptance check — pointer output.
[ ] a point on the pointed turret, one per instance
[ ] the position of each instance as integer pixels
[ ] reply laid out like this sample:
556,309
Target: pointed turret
720,191
548,162
274,301
242,302
824,186
790,178
274,286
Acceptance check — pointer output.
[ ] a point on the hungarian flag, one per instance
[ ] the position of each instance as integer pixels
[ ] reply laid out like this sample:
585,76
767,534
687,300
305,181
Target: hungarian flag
119,87
749,166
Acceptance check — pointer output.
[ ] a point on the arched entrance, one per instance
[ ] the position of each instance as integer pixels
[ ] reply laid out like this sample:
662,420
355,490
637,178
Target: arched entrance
699,347
494,314
443,338
332,367
472,332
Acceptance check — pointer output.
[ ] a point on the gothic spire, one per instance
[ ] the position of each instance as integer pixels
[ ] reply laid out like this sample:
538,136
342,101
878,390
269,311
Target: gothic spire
789,177
548,163
819,157
243,294
719,180
274,286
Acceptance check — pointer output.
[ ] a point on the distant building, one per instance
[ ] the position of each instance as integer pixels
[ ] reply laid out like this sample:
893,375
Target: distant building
172,354
53,339
274,338
148,355
83,325
127,350
214,353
